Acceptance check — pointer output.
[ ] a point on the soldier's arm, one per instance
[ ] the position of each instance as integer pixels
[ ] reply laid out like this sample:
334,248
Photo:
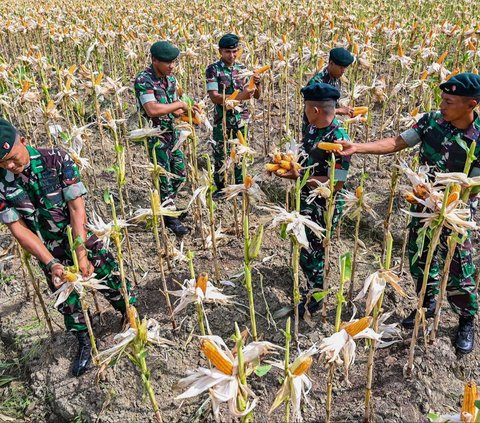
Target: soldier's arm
383,146
78,220
154,109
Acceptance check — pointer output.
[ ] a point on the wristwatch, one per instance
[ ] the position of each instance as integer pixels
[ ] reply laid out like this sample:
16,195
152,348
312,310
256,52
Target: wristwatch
51,263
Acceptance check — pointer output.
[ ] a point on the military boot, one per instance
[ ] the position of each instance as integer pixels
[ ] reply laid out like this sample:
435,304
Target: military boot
465,335
175,225
430,304
84,354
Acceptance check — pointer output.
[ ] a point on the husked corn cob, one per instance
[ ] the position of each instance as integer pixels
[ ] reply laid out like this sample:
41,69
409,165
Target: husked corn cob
195,119
241,138
361,110
69,276
233,96
454,196
421,191
216,357
277,157
262,69
329,146
356,327
132,316
248,181
410,197
251,83
359,192
202,282
470,395
272,167
285,164
456,188
303,366
281,172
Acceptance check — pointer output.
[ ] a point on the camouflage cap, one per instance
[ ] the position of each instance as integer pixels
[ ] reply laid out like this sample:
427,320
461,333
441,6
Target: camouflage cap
8,135
341,57
319,92
464,84
229,41
164,51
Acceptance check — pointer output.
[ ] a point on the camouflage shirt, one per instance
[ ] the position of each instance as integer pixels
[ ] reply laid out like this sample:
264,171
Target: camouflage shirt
324,76
220,76
39,194
321,158
442,146
149,87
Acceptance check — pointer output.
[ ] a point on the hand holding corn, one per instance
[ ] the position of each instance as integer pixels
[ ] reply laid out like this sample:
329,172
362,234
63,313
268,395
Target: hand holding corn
284,165
57,272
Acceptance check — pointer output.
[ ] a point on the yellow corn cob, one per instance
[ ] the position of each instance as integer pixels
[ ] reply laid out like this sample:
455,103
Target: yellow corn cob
329,146
470,395
179,90
132,316
400,50
356,327
233,154
280,56
285,164
277,157
251,83
262,69
233,96
248,181
195,119
302,366
281,172
320,63
202,282
423,75
454,196
69,276
361,110
442,58
359,192
421,191
216,357
241,138
297,166
272,167
456,188
239,54
410,197
414,112
289,157
471,46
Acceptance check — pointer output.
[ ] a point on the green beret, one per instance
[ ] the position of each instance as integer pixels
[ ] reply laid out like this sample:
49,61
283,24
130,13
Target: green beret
229,41
464,84
164,51
341,57
320,92
8,135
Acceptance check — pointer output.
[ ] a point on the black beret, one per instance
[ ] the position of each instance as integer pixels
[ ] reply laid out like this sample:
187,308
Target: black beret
164,51
464,84
8,135
229,41
341,57
320,92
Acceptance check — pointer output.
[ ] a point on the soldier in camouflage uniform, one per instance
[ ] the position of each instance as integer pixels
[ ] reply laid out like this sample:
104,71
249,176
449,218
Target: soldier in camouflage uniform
443,138
156,92
40,195
223,78
338,61
323,127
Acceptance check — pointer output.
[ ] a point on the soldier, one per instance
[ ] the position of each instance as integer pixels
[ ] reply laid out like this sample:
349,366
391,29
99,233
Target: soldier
40,195
223,78
338,61
442,137
323,126
156,91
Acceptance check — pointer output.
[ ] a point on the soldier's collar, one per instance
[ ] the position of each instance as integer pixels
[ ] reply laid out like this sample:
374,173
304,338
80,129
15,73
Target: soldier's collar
472,132
226,66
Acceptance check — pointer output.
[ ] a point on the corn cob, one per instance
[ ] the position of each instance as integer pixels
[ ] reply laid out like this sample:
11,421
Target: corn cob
359,192
410,197
421,191
470,395
285,164
277,157
281,172
355,328
248,181
456,188
132,316
251,84
233,96
329,146
69,276
195,119
202,282
454,196
360,110
241,138
263,69
272,167
216,357
302,366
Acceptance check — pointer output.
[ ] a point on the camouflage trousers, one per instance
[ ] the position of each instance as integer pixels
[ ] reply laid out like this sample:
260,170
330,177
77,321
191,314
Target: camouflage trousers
172,161
312,260
105,268
219,154
461,291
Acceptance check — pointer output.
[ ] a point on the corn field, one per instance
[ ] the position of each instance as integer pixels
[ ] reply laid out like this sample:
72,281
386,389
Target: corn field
208,303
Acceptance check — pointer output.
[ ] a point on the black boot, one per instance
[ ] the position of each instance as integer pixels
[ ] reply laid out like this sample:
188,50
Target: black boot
175,225
429,304
84,354
313,306
465,335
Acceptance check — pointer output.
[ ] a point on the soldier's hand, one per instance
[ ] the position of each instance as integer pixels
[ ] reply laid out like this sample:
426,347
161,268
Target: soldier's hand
183,106
349,148
257,78
57,275
86,268
346,111
291,174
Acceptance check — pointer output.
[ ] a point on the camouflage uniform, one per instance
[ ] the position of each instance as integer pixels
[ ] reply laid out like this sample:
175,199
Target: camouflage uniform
39,196
442,147
148,87
322,76
313,260
219,77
